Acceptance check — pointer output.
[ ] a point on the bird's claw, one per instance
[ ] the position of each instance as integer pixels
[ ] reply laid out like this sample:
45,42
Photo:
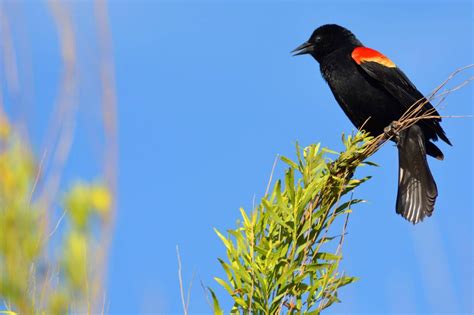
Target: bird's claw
391,131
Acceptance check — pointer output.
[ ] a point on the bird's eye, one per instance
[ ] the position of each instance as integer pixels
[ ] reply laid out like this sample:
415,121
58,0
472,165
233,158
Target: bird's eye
318,39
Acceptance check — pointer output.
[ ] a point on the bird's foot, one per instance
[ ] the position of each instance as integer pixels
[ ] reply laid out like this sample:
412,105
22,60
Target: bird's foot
391,131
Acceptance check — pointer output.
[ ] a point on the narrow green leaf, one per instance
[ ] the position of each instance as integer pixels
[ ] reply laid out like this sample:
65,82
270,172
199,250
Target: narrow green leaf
227,270
225,285
327,256
371,163
273,215
245,217
241,302
289,184
226,242
289,162
346,204
216,306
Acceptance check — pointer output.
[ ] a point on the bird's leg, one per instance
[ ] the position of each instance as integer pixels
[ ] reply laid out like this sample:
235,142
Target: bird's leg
391,131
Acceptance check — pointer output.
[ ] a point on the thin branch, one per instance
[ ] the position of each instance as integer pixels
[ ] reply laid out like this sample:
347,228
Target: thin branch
37,176
110,124
271,174
206,294
341,241
57,225
180,277
417,112
189,289
61,131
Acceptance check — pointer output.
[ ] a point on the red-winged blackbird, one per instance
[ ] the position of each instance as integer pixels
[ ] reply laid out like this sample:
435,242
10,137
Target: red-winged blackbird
374,92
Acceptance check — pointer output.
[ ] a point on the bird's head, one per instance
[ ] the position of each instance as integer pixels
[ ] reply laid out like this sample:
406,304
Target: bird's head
326,39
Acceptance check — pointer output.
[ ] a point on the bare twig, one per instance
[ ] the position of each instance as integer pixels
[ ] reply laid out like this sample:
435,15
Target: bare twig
206,294
271,174
180,277
37,176
417,111
63,124
344,229
109,114
189,289
9,54
104,302
61,130
56,226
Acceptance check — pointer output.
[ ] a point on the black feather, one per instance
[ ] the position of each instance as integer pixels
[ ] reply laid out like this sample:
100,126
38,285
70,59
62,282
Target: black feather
373,93
401,88
417,190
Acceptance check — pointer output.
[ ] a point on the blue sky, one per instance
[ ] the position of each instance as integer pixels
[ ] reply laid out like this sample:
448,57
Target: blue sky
208,95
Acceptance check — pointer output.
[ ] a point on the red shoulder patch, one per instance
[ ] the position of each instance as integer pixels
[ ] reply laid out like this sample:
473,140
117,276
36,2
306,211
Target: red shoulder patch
364,54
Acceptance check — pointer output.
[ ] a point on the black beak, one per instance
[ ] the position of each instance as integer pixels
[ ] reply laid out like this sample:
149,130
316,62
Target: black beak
303,49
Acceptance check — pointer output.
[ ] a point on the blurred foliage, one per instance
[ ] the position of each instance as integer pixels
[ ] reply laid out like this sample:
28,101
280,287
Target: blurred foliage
284,255
44,268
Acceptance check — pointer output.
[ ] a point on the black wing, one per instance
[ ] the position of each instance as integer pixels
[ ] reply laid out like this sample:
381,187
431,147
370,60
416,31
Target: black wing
396,83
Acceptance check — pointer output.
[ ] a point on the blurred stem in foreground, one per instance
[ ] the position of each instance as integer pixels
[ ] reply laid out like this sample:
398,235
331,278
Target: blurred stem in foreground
54,245
45,272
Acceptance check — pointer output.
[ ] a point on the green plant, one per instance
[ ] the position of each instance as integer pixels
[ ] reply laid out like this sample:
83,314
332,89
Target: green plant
279,257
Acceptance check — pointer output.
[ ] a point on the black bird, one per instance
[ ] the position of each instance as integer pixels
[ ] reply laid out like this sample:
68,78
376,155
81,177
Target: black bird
374,92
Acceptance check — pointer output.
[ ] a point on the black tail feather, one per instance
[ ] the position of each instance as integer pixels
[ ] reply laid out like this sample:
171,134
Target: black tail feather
417,190
443,136
434,151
